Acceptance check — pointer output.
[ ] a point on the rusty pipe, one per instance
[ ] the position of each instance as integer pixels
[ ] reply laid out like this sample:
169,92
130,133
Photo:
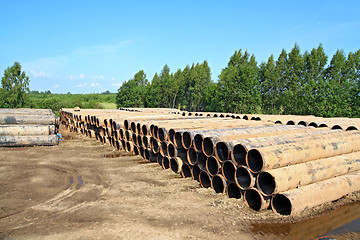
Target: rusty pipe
218,183
176,164
27,130
185,170
25,141
228,170
233,191
205,179
297,200
213,166
195,172
244,178
254,200
165,162
272,157
28,119
282,179
201,161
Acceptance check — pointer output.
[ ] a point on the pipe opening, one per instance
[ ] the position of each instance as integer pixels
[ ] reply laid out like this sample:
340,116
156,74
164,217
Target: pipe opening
323,125
155,132
228,171
208,146
178,138
183,114
222,151
142,152
351,128
136,150
238,117
133,126
145,141
159,159
117,145
195,172
172,135
171,150
266,183
196,114
198,141
257,119
336,127
239,154
218,183
138,128
253,118
222,115
189,114
163,149
215,115
201,114
122,134
303,123
208,115
201,160
174,165
205,180
192,156
245,117
254,160
243,178
134,138
185,170
281,204
165,163
253,199
233,191
151,130
212,166
127,135
123,144
139,140
186,140
162,134
278,122
144,130
290,122
147,154
128,146
155,145
313,124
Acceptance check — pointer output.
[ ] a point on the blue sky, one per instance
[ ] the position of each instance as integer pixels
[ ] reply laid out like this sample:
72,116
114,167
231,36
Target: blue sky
94,46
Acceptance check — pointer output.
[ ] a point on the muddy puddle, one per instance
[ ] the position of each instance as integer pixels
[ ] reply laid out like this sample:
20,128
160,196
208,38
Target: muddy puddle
344,219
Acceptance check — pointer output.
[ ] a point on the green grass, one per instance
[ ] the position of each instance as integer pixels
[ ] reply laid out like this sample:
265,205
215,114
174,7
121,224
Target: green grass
106,105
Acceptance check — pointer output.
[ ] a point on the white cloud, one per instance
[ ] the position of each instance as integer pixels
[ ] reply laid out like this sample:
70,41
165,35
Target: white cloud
116,84
82,85
80,76
40,74
94,84
56,85
96,77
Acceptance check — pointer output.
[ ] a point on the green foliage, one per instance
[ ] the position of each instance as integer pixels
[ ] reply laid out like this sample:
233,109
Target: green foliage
132,92
15,84
57,101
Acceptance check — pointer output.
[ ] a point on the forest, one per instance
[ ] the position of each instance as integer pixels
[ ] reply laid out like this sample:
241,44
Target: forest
293,83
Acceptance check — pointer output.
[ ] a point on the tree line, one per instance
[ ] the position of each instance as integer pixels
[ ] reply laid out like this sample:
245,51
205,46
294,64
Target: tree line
294,83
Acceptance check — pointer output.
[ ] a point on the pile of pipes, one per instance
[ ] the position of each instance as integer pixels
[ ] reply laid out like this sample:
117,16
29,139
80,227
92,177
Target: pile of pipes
287,168
23,127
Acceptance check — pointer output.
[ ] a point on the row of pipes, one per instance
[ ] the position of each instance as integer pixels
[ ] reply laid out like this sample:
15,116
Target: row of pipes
28,127
287,168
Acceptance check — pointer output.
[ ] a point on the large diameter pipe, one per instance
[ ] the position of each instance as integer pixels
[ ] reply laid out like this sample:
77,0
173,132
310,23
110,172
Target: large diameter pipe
27,129
218,183
26,141
28,119
233,191
241,147
244,178
213,166
176,164
282,179
25,111
297,200
254,200
228,170
185,170
205,179
273,157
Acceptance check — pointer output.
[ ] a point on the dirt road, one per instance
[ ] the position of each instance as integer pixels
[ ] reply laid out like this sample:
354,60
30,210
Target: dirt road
82,189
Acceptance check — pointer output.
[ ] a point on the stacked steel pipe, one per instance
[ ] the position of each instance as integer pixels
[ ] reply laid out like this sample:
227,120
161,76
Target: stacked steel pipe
245,156
28,127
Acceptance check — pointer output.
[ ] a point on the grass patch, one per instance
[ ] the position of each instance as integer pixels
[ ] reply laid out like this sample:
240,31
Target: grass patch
107,105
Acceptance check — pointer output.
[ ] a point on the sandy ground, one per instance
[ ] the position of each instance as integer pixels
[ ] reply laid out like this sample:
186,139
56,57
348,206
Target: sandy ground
82,189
